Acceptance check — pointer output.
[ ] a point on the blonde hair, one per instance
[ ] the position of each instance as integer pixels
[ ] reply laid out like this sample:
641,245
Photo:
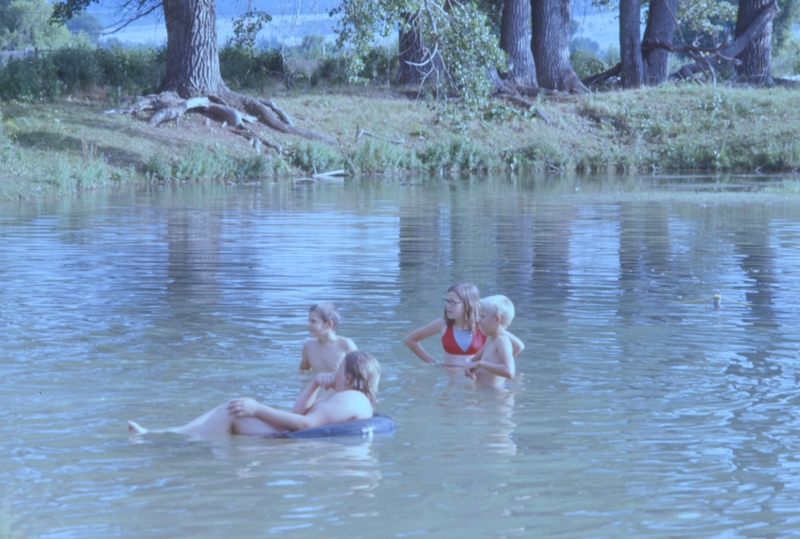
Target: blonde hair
365,373
468,294
326,311
500,306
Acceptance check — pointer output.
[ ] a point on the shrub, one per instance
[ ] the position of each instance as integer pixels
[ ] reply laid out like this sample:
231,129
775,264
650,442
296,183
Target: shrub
247,68
76,68
136,70
73,69
28,79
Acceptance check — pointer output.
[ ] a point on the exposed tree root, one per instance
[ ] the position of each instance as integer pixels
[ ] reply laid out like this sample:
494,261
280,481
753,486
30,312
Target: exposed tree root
234,109
516,93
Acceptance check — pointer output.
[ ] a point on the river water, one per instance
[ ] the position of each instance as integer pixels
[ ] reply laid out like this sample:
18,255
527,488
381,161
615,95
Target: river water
638,410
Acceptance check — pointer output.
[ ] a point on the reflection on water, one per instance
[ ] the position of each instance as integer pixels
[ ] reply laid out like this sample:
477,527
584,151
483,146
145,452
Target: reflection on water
638,410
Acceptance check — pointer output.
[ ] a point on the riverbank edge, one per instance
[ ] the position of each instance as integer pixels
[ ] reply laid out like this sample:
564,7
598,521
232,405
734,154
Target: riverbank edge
62,147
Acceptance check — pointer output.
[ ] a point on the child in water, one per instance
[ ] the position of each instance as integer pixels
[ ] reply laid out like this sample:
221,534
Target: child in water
495,360
355,386
326,350
461,337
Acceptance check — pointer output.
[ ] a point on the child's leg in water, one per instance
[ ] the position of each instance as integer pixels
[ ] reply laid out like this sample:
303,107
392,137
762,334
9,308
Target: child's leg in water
217,421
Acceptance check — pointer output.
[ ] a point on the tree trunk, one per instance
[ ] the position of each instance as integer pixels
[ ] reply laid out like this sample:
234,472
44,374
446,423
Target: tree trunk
416,61
411,51
550,45
515,41
192,54
630,43
660,27
755,67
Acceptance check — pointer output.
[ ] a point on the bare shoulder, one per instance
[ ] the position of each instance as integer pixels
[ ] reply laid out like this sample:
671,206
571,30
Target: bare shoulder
346,405
438,325
347,344
503,340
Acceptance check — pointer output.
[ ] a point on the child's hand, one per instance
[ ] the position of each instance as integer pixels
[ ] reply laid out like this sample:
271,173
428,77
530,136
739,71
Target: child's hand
244,407
471,369
325,380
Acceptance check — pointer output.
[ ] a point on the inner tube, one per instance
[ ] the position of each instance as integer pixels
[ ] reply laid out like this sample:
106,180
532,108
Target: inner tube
366,428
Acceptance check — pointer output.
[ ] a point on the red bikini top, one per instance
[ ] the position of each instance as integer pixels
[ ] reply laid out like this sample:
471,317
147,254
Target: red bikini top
451,346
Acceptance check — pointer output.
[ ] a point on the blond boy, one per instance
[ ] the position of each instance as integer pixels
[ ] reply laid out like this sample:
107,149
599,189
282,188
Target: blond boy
495,361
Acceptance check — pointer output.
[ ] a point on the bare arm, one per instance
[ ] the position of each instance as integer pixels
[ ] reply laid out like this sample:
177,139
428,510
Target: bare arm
349,345
474,363
504,366
308,396
412,339
305,364
341,406
517,345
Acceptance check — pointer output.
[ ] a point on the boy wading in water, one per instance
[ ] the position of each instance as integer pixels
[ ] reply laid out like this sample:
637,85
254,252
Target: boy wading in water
495,361
326,349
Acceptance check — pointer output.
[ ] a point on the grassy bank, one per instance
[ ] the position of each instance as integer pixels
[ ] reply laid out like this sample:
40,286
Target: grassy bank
61,146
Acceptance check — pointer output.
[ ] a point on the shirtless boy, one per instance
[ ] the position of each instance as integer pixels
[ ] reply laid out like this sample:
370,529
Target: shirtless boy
326,349
495,361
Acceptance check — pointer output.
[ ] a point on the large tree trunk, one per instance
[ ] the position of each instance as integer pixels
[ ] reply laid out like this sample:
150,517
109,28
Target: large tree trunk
550,44
193,68
515,41
660,28
630,44
192,55
755,67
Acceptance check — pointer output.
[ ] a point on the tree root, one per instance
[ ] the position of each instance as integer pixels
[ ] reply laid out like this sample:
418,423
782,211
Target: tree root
516,93
234,109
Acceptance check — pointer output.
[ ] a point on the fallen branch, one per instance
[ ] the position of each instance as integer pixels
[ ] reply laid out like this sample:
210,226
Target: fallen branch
340,172
713,58
615,71
364,133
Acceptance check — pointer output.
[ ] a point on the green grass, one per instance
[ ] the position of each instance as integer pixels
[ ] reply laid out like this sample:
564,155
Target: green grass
68,144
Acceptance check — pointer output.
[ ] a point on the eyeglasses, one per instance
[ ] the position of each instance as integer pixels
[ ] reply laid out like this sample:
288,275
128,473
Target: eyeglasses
451,303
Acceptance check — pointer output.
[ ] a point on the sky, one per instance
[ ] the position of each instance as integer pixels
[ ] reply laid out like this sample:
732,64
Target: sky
294,19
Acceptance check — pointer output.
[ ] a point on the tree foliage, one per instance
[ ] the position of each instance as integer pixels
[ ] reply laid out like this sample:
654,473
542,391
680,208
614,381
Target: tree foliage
707,17
24,23
460,44
783,23
246,29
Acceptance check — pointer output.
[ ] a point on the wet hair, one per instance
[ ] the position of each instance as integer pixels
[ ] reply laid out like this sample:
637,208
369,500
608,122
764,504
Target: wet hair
500,306
326,311
468,294
365,373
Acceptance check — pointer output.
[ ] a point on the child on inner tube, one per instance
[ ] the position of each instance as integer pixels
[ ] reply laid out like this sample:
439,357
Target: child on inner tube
355,385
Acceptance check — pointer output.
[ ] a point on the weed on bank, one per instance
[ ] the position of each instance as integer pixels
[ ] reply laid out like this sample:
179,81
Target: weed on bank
60,145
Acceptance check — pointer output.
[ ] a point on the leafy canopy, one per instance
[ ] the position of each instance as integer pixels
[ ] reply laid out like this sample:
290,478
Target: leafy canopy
460,46
24,23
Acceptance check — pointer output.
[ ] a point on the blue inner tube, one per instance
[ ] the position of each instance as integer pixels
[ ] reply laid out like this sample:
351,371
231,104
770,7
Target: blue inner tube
377,424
